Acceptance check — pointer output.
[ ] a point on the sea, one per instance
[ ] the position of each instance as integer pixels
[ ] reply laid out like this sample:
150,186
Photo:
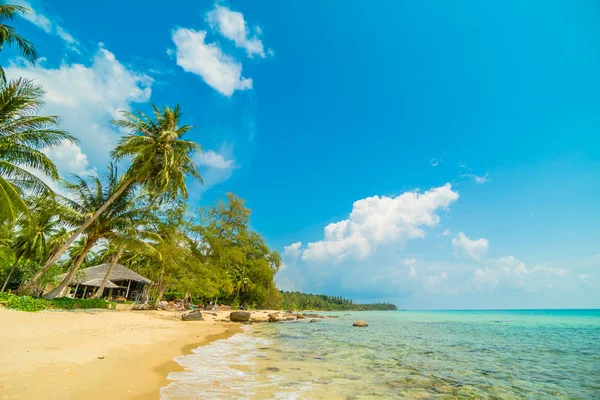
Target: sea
504,354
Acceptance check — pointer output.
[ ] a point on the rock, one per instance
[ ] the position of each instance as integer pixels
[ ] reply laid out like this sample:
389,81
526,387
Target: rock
312,315
347,315
300,316
213,313
360,324
313,320
274,318
274,369
141,307
239,316
193,316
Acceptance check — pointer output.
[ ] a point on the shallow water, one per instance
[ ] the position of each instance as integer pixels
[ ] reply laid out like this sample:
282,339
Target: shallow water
403,355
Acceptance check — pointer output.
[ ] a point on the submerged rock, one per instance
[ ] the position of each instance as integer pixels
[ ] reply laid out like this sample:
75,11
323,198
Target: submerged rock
360,324
239,316
313,320
193,316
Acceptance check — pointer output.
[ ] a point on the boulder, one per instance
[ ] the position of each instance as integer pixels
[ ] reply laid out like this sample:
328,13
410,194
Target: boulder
313,320
360,324
274,318
141,307
239,316
192,316
300,316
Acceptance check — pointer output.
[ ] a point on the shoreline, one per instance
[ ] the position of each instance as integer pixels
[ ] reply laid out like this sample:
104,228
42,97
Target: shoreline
97,354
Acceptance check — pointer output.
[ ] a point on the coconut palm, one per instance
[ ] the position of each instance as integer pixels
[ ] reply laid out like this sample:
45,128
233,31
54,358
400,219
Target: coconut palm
38,235
8,36
86,198
160,162
23,136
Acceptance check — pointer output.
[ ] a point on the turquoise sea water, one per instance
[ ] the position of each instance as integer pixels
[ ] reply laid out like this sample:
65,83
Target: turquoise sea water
403,355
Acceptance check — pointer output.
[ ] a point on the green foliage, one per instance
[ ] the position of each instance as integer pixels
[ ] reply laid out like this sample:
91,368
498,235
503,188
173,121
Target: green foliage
32,304
303,301
8,35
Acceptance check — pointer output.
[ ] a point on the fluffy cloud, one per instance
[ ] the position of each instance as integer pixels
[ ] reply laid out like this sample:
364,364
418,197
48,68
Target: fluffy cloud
379,220
231,24
446,232
474,249
220,71
87,97
214,160
511,273
293,250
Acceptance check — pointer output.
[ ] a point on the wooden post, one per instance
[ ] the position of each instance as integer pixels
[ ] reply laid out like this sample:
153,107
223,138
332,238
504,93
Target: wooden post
84,290
75,294
127,293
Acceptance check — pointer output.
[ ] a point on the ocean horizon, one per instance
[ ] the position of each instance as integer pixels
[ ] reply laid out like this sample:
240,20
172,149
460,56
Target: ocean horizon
425,354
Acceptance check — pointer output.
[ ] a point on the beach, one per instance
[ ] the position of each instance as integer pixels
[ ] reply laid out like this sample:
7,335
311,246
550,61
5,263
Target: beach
97,354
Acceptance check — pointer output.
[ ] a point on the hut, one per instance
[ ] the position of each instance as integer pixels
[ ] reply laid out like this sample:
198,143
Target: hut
122,282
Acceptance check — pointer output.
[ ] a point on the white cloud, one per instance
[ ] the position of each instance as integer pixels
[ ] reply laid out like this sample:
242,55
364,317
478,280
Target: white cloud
511,273
377,220
220,71
231,24
446,232
293,250
434,162
474,249
478,179
410,261
214,160
87,97
46,24
34,17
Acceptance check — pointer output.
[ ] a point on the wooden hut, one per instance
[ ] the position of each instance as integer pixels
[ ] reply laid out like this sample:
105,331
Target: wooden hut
122,282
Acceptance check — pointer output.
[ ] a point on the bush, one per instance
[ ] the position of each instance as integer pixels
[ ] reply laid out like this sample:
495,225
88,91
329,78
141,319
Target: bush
32,304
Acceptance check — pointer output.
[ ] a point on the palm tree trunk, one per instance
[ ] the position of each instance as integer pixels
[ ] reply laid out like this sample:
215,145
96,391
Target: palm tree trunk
113,262
69,278
33,281
11,271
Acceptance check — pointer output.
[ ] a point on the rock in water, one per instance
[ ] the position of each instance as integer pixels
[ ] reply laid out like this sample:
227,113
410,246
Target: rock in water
239,316
360,324
313,320
274,318
192,316
300,316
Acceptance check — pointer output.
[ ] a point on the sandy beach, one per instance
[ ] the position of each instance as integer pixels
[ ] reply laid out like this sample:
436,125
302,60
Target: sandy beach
97,354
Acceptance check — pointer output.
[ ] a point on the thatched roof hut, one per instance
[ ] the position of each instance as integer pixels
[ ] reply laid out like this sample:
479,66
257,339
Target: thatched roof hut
119,273
127,282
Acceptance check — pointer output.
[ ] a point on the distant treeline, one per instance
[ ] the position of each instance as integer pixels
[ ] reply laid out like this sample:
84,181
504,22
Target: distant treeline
321,302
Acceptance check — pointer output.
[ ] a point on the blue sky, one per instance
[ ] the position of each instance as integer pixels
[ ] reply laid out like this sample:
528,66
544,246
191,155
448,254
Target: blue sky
433,154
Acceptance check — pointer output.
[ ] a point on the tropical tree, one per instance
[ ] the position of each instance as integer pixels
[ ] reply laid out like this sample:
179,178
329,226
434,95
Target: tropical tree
160,162
8,35
86,198
35,237
23,136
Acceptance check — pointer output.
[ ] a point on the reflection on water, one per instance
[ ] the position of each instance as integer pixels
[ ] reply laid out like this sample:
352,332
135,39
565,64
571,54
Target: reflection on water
403,355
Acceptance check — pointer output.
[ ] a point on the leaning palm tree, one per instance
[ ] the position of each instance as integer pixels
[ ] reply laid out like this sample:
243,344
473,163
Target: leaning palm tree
161,161
8,36
23,136
86,198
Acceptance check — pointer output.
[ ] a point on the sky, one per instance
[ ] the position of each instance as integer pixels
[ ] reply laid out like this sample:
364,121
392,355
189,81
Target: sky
434,154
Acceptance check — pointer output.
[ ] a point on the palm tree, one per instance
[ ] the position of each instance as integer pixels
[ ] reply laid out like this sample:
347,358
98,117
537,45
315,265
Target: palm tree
161,161
38,235
10,37
86,199
23,136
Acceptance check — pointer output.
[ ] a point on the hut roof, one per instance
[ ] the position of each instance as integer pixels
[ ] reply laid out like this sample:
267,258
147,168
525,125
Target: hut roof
119,273
97,282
